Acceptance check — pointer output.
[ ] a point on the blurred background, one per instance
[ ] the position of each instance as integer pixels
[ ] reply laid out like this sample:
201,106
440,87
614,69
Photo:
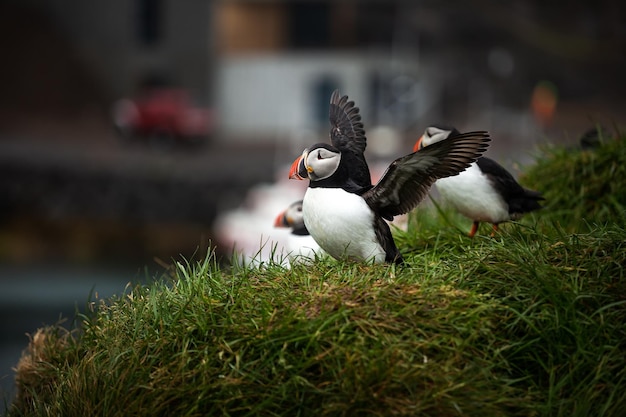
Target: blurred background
133,132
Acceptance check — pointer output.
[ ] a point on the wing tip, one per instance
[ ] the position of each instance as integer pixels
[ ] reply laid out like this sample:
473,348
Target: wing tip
343,110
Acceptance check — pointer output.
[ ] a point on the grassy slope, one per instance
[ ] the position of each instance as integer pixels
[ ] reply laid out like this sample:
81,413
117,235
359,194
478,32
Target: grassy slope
531,322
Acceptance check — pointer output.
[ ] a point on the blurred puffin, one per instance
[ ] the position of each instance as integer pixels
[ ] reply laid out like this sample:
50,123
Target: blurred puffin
484,192
348,221
300,245
292,218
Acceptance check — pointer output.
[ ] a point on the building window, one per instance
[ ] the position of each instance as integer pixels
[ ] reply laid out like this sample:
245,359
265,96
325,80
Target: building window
149,21
309,24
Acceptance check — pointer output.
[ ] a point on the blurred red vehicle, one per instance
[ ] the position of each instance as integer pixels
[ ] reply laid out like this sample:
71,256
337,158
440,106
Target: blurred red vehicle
162,116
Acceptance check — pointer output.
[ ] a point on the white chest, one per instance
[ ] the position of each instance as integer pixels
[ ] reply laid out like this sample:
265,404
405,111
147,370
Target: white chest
342,224
473,196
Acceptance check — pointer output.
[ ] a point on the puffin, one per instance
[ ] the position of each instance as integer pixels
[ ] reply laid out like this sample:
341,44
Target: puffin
348,222
292,218
300,245
485,191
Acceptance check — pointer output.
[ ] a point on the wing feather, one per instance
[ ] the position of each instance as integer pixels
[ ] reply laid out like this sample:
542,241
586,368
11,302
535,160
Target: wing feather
408,179
347,132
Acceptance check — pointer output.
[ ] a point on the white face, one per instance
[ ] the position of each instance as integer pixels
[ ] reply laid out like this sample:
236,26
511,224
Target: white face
321,163
434,135
294,215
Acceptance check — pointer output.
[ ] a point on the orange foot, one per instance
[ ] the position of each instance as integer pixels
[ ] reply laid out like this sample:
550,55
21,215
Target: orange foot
474,229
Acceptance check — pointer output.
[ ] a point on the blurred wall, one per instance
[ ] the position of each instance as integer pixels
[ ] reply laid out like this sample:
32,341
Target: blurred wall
287,94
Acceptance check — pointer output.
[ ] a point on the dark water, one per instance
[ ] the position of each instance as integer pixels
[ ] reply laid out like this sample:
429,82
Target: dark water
33,296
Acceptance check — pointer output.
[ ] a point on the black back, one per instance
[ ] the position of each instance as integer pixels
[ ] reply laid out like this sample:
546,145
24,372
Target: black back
519,199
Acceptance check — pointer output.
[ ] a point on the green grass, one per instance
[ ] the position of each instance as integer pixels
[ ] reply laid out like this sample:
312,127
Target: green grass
582,188
531,322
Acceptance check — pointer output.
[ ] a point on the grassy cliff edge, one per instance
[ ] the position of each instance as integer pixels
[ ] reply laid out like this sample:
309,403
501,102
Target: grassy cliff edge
531,322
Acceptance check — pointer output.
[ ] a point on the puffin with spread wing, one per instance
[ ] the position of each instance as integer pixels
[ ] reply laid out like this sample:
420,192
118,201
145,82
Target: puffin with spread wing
347,219
485,191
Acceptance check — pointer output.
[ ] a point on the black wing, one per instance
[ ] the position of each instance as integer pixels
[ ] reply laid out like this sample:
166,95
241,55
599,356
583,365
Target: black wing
409,178
346,131
383,234
500,178
348,135
519,199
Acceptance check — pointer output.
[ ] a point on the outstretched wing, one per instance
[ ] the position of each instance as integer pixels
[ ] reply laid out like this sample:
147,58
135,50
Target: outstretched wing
346,131
408,179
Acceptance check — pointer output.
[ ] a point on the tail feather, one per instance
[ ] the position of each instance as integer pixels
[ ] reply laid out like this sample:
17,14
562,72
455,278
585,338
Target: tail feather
525,203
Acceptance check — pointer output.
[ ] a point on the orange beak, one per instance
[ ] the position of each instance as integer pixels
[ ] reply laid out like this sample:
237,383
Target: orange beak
281,221
295,167
418,144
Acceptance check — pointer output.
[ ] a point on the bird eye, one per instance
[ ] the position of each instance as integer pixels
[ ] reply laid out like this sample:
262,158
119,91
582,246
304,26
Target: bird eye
319,156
